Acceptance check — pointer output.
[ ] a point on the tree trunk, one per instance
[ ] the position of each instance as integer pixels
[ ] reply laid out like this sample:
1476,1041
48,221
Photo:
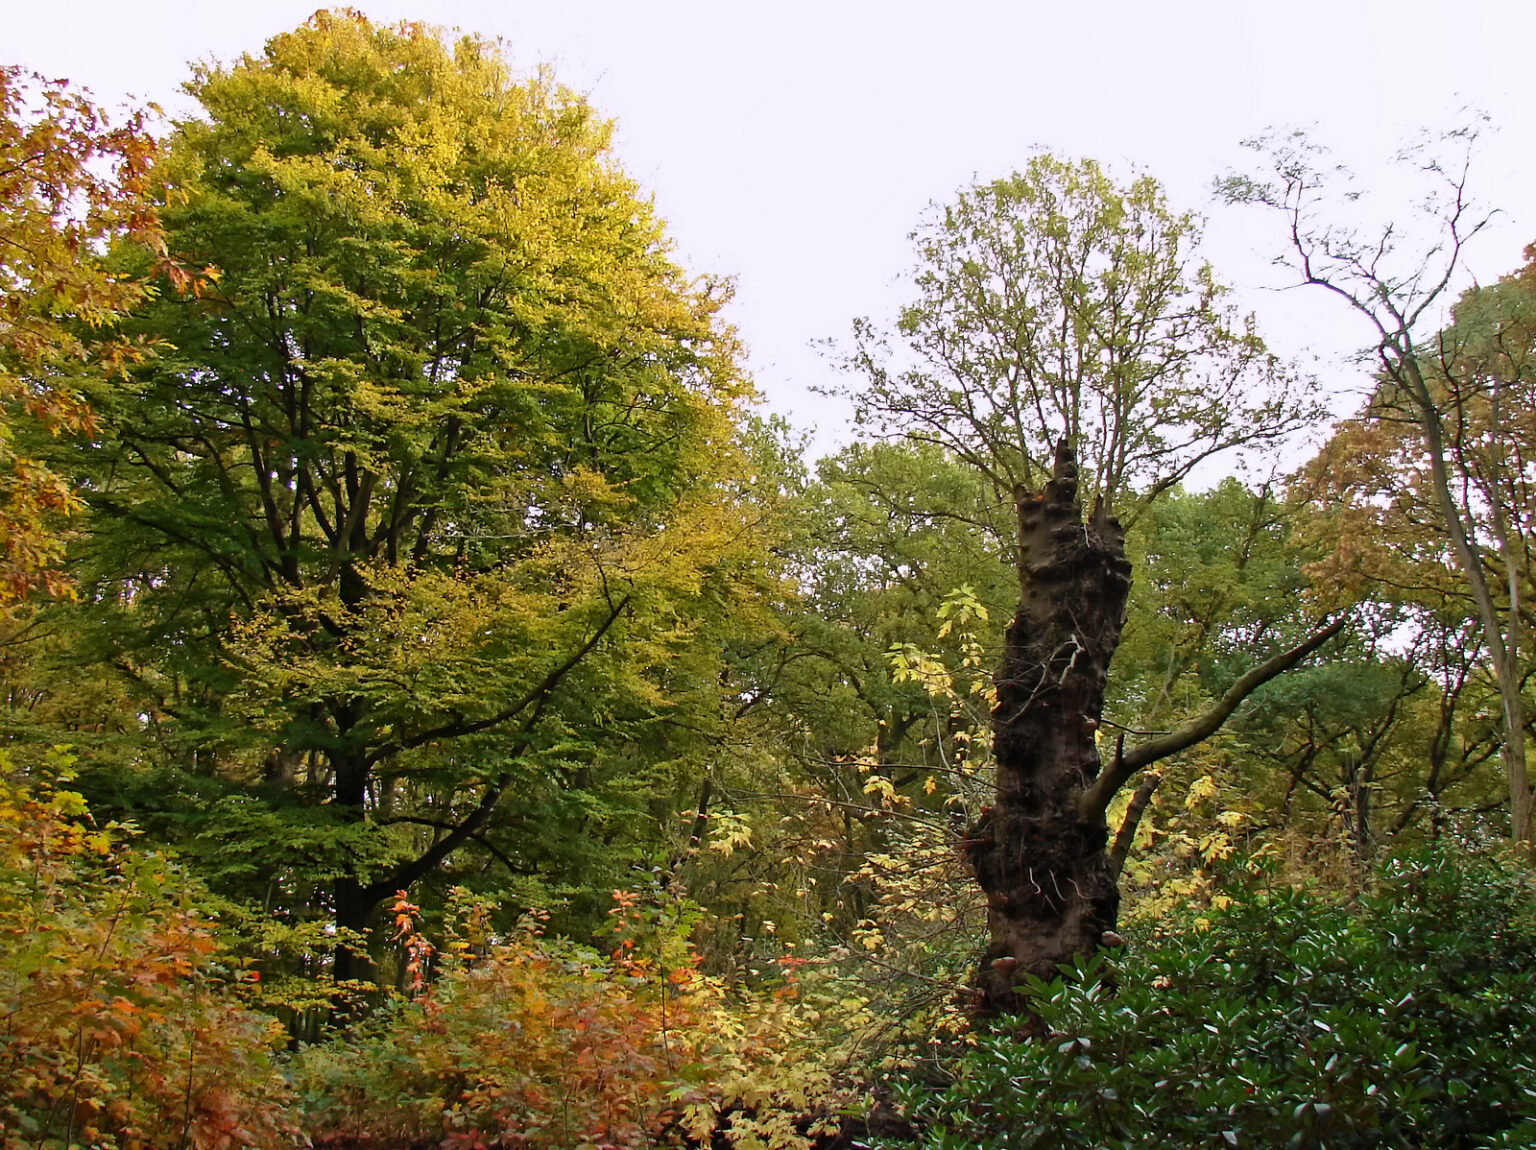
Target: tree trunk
354,901
1503,646
355,904
1038,855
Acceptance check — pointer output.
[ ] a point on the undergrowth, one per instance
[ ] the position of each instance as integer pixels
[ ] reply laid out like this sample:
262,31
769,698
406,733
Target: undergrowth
1404,1019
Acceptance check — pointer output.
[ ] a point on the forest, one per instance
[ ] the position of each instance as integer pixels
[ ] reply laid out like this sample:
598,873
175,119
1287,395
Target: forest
444,706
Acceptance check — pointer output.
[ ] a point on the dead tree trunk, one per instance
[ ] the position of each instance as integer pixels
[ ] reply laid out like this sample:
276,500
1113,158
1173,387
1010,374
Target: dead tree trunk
1040,853
1037,854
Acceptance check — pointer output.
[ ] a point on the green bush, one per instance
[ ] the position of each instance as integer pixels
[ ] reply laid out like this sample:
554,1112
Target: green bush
1405,1020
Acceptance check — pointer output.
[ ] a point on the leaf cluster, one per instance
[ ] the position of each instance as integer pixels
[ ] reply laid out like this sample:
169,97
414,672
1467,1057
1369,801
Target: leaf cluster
71,183
527,1040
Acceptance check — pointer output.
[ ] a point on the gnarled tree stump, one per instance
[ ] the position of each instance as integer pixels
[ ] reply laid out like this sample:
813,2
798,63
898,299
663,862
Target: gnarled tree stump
1040,860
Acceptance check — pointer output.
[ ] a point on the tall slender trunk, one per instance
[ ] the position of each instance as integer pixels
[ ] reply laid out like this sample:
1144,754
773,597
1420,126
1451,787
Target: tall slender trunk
354,901
1503,645
1039,858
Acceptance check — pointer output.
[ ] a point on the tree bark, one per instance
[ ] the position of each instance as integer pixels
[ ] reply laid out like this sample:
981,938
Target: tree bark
1038,857
351,960
353,903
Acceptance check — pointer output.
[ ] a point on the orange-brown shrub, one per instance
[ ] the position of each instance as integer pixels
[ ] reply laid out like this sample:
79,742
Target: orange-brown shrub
117,1026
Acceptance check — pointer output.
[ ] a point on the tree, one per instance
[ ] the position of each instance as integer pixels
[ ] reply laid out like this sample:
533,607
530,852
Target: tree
1451,410
1058,313
875,724
71,182
1055,305
432,503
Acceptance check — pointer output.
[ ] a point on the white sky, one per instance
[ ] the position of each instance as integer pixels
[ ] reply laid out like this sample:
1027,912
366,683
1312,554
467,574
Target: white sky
794,144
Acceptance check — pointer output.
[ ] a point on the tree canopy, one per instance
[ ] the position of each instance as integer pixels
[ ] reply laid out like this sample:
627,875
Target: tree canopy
1055,304
437,482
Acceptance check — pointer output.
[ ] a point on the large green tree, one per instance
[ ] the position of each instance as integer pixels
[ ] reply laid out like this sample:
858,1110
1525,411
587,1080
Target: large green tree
408,545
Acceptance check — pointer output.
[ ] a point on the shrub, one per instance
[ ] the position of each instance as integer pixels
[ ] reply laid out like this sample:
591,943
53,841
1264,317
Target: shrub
1406,1020
531,1041
117,1026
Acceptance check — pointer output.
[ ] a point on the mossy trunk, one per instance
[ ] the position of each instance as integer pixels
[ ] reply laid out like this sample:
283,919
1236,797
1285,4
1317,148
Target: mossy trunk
1042,863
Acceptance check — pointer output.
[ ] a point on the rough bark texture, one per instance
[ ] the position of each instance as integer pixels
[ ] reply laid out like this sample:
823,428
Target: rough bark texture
1039,858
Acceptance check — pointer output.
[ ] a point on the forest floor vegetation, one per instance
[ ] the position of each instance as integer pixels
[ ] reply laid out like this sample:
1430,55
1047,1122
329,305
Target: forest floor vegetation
1286,1017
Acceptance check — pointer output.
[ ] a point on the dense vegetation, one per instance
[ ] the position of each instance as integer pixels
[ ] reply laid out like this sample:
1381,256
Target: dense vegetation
1281,1020
440,711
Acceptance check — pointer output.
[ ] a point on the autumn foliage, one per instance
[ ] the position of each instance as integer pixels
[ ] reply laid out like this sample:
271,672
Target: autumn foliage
124,1024
485,731
72,182
119,1025
531,1041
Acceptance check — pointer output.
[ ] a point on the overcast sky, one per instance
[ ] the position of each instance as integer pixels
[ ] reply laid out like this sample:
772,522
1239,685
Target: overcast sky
794,145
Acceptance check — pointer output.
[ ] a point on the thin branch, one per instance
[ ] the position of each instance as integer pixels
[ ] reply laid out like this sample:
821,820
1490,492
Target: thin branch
1096,799
535,695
